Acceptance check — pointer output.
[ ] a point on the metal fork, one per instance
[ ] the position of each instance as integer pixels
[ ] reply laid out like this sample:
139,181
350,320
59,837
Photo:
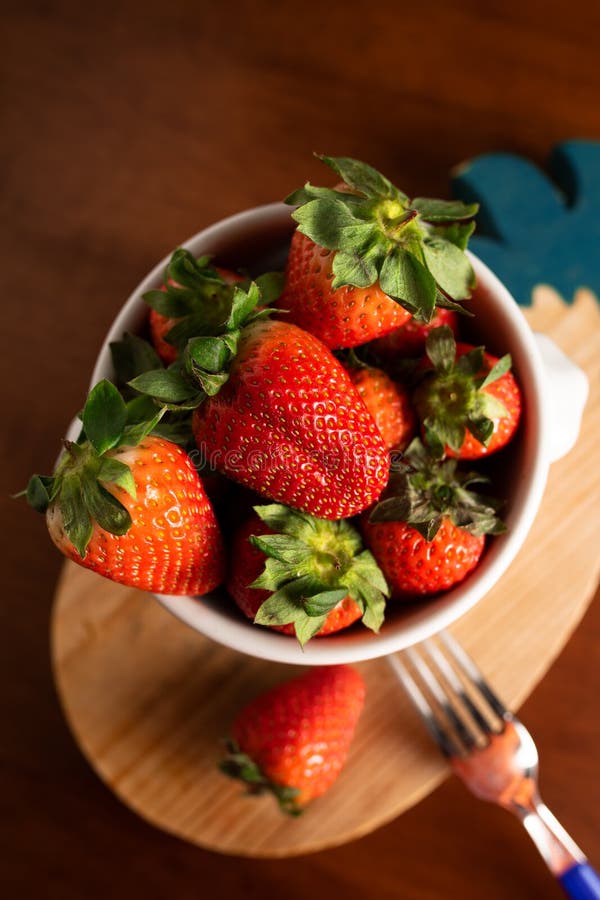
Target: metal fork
490,750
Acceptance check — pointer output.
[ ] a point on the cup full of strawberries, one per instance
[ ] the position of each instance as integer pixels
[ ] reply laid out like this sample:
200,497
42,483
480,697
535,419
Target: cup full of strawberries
318,432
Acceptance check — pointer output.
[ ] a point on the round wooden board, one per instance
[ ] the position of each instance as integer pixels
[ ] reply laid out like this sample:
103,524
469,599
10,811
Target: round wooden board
148,699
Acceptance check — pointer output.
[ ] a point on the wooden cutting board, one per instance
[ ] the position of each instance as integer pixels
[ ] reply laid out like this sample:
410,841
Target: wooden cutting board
148,699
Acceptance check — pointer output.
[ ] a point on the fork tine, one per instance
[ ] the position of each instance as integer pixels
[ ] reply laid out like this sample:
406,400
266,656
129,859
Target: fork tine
439,734
467,735
457,686
464,662
440,690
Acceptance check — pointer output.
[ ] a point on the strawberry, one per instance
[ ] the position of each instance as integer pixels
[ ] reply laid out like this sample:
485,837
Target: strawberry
130,505
278,413
302,575
409,340
166,337
365,258
415,567
389,403
293,740
468,401
342,316
193,299
428,530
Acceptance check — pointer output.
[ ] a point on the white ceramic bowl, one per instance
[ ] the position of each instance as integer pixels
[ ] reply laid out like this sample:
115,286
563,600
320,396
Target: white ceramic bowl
258,239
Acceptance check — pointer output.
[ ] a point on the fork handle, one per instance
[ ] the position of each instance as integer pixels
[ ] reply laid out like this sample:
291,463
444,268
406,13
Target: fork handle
581,882
560,852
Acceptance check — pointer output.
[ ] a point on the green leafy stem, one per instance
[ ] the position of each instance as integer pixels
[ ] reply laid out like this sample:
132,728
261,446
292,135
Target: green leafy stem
413,248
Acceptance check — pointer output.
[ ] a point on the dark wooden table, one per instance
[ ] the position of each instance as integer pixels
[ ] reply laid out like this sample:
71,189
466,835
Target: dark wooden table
127,127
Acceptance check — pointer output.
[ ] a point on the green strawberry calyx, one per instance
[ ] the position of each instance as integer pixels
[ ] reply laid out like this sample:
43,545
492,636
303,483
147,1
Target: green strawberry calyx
423,490
413,248
198,296
133,356
312,565
203,367
88,465
451,398
237,764
194,293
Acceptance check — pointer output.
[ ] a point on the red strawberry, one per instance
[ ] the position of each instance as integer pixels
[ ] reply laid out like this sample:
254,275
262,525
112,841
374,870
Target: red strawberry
278,413
130,505
468,401
428,531
162,326
365,258
343,316
302,575
293,740
409,340
415,567
288,423
194,298
389,403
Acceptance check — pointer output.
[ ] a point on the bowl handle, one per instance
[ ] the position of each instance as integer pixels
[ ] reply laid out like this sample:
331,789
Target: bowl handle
567,390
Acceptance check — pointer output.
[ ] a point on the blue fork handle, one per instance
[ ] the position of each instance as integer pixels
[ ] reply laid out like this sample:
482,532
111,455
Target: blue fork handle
581,882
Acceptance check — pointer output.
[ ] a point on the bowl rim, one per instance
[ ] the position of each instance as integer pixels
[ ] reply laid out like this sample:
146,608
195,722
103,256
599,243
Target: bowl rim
354,646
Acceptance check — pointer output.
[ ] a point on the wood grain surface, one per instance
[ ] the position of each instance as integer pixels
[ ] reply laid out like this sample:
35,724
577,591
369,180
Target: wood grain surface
126,128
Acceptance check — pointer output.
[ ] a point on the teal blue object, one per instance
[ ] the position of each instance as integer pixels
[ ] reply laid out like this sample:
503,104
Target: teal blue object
536,227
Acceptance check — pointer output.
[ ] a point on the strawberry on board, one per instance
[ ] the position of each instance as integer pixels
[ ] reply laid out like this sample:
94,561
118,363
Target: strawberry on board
428,530
389,403
409,340
468,401
365,258
275,411
302,575
194,298
130,505
293,740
